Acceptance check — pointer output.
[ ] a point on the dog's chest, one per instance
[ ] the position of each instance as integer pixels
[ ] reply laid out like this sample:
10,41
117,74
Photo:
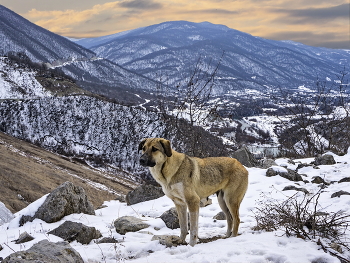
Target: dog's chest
174,190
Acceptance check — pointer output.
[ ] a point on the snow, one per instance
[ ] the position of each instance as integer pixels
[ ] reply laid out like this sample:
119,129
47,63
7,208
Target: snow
249,246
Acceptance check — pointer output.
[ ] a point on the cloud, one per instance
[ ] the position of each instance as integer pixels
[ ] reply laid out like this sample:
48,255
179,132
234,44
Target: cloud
314,15
141,4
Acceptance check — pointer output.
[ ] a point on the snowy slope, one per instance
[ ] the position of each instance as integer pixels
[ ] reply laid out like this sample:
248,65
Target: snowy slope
18,82
249,246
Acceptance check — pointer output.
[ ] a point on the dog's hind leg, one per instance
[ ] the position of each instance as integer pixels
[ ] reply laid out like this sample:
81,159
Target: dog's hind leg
233,203
224,208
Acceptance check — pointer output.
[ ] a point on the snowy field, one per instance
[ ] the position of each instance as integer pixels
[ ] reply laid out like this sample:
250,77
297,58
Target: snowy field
249,246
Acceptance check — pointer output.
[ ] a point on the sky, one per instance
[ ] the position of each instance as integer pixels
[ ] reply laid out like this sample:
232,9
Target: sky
324,23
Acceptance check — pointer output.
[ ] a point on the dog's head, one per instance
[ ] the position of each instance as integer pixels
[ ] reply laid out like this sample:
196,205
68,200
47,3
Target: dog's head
154,151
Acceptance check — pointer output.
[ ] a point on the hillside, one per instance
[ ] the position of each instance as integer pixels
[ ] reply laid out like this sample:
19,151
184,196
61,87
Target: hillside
169,51
28,172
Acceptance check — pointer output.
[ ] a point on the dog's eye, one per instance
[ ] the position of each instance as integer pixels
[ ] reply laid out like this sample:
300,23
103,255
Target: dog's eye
154,149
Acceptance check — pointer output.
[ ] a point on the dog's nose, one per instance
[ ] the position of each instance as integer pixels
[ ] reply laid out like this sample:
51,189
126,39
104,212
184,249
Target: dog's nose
143,161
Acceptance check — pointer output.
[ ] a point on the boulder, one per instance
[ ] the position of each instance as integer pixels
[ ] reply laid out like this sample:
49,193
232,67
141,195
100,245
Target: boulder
45,251
220,216
5,214
64,200
245,157
170,218
126,224
107,240
284,172
318,180
169,240
144,192
339,193
326,159
267,163
71,231
292,187
23,238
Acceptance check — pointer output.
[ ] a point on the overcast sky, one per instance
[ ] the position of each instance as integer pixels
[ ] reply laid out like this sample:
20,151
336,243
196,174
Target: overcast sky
313,22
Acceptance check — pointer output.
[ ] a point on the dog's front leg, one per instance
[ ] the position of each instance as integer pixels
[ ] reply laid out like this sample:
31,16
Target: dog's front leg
181,209
193,207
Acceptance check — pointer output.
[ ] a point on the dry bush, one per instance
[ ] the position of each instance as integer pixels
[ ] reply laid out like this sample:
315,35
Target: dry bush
303,216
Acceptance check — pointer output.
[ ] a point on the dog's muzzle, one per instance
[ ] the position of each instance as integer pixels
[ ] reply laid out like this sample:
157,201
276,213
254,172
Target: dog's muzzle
146,162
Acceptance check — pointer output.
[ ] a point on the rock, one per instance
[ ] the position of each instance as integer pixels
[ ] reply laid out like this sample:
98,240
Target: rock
23,238
339,193
45,251
205,202
267,163
326,159
1,248
168,240
292,187
220,216
318,180
126,224
64,200
71,231
245,157
144,193
284,172
5,214
170,218
107,240
344,180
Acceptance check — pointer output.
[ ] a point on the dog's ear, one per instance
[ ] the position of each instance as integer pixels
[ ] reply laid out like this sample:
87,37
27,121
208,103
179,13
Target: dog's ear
166,146
142,143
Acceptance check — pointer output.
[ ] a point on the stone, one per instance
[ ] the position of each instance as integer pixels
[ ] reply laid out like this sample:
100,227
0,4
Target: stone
23,238
285,173
107,240
126,224
267,163
344,180
339,193
45,251
318,180
170,218
169,240
70,231
292,187
245,157
326,159
220,216
142,193
64,200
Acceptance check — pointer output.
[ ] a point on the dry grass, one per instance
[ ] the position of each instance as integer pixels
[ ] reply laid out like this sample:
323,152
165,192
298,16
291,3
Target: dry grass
28,172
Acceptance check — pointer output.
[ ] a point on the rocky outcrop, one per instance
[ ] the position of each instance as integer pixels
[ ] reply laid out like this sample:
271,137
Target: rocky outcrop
64,200
126,224
144,193
45,251
71,231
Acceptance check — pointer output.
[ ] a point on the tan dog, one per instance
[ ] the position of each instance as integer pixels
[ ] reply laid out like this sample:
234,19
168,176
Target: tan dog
186,180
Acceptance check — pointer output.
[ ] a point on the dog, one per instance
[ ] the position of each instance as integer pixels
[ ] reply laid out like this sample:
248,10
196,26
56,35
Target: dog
186,180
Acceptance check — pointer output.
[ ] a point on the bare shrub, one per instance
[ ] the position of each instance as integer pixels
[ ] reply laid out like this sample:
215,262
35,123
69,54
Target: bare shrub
303,216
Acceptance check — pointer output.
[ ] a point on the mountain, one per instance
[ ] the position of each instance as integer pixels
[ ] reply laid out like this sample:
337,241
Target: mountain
170,50
42,46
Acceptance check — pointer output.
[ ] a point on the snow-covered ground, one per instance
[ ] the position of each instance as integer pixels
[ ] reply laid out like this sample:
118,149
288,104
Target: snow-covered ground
249,246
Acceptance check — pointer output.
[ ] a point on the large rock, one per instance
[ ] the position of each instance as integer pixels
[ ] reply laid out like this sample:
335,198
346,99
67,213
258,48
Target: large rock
245,157
71,231
126,224
284,172
64,200
326,159
144,193
23,238
45,251
5,214
170,218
